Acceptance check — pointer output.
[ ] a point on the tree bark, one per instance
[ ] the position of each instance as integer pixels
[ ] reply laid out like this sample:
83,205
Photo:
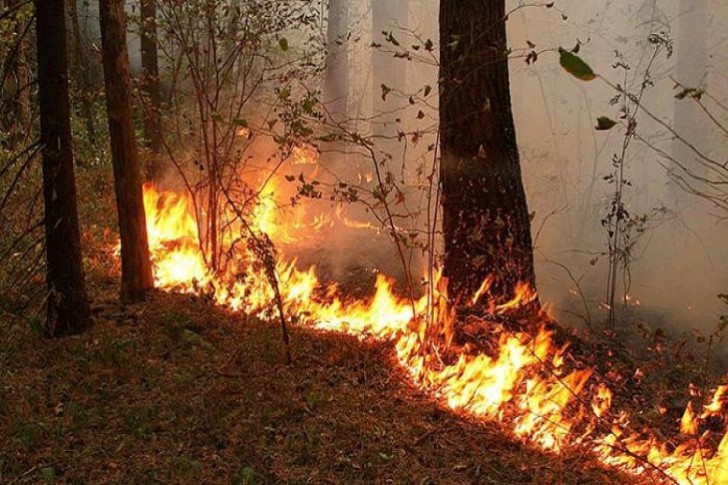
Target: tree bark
68,306
81,62
136,270
15,117
691,71
486,222
150,87
336,83
336,80
386,69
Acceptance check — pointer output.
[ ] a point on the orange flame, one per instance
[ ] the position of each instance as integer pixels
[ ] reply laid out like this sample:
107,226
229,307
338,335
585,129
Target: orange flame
304,155
523,382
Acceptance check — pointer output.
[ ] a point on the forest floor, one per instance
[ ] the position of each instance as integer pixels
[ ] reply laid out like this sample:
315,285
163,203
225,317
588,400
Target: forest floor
177,391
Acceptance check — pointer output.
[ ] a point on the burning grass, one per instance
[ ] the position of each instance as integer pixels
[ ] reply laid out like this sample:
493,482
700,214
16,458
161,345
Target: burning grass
525,381
176,391
181,390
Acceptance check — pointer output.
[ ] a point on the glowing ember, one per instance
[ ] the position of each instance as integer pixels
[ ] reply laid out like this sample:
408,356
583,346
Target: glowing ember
524,383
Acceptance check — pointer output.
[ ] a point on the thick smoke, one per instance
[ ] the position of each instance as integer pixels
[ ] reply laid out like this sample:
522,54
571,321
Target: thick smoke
678,262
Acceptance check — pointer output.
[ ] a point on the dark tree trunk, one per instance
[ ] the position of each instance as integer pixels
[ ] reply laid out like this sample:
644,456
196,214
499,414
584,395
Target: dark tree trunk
485,216
150,88
136,270
68,307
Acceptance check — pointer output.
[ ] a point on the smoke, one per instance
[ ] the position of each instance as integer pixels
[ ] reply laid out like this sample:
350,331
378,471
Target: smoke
676,262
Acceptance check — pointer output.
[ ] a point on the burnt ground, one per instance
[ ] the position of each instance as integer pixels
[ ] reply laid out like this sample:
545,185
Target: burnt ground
177,391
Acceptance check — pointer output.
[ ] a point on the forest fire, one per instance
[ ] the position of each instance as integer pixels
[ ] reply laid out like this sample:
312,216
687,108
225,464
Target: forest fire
405,185
526,382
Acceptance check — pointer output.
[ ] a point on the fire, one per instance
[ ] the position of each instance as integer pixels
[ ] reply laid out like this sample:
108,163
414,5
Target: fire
304,155
688,426
484,287
526,383
174,241
602,401
716,404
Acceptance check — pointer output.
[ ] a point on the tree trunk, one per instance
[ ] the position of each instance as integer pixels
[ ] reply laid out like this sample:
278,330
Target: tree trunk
691,71
136,270
486,222
68,307
15,117
150,87
81,62
336,80
336,83
386,69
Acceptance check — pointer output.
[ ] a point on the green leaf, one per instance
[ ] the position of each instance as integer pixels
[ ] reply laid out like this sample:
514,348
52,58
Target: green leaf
329,137
245,476
240,122
308,106
283,44
36,326
196,339
49,475
605,123
575,66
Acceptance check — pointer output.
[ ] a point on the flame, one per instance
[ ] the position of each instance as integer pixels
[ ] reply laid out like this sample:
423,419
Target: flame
174,241
484,287
525,382
716,404
688,426
304,155
353,224
602,401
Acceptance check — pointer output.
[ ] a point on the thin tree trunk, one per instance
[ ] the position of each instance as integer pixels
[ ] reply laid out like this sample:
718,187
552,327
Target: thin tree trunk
485,216
336,79
81,62
136,270
23,87
15,118
150,88
692,72
336,82
68,306
387,70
